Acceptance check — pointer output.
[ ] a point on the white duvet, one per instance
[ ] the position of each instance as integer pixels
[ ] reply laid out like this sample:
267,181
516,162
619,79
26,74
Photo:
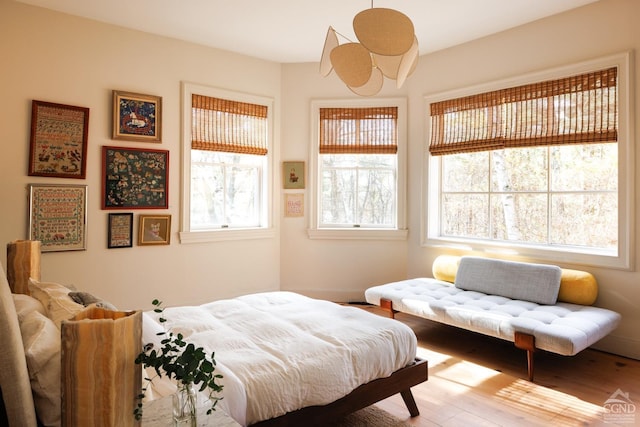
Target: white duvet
280,351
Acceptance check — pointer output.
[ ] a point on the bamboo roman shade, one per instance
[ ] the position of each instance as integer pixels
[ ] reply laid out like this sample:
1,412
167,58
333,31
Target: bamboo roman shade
579,109
230,126
370,130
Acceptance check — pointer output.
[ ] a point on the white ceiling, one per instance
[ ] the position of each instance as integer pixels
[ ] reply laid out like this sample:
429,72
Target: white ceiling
294,30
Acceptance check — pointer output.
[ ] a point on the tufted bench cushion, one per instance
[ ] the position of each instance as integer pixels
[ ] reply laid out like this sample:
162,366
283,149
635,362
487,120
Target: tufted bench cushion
562,328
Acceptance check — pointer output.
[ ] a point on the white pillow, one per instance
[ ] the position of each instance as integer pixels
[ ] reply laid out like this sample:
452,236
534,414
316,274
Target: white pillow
41,340
55,298
25,304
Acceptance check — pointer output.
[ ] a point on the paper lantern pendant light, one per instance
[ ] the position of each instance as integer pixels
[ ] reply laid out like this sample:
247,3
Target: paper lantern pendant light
387,48
384,31
352,63
372,86
330,42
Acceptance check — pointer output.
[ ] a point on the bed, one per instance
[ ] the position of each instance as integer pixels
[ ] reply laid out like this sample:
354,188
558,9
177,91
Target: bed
327,368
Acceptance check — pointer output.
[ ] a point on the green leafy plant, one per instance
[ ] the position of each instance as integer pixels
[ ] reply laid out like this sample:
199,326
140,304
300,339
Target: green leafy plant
179,360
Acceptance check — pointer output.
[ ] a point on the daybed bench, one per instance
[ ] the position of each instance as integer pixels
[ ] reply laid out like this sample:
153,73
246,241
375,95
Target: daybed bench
536,306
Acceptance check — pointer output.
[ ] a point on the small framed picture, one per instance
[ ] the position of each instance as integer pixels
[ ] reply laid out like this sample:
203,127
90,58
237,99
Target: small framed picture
137,117
293,205
120,233
293,175
154,230
58,216
58,144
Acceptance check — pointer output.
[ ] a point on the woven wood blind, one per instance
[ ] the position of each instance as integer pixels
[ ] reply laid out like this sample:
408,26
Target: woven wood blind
230,126
580,109
359,130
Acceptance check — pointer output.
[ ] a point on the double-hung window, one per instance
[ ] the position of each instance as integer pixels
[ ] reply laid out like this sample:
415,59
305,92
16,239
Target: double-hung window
536,169
359,169
227,146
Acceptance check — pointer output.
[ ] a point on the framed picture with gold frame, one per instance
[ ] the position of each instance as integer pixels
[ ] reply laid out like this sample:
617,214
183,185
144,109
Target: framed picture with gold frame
154,229
137,117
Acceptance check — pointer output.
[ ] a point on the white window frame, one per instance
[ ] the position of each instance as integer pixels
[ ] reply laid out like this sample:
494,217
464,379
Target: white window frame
430,215
398,233
199,236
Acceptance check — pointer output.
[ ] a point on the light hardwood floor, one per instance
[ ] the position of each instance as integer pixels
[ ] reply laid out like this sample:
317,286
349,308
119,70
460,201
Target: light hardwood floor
475,380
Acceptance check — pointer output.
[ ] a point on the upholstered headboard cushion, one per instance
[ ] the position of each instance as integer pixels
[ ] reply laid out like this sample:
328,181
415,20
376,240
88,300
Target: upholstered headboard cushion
576,286
14,376
525,281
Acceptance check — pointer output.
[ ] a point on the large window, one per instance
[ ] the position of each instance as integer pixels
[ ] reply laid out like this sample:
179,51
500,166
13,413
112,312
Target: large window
227,163
359,167
534,169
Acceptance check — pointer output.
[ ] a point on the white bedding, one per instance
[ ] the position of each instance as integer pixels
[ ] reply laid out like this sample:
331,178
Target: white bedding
280,351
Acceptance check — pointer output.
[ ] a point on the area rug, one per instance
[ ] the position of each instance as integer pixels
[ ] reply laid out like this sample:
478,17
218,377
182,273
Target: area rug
371,416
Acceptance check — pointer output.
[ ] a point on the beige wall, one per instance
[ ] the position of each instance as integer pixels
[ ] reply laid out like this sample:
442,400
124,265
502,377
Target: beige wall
54,57
57,58
597,30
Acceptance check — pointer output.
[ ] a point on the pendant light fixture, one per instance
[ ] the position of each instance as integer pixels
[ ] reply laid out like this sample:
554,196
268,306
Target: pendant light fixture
386,47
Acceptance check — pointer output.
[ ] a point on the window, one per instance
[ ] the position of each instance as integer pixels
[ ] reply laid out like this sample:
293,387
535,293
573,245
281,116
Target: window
358,152
535,169
227,164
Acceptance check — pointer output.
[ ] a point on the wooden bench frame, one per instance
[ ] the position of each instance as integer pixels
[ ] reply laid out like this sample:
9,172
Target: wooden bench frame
521,340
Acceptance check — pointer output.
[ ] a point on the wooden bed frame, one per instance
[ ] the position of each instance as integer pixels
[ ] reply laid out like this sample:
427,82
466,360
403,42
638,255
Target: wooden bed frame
400,381
18,401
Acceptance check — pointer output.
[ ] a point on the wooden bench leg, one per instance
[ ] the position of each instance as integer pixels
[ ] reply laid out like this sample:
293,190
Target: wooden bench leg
407,396
526,342
387,304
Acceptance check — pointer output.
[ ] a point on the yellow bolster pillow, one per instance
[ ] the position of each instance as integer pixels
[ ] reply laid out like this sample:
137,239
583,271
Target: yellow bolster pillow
445,267
576,287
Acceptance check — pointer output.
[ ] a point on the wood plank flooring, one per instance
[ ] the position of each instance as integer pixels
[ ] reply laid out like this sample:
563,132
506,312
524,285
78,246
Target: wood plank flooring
476,380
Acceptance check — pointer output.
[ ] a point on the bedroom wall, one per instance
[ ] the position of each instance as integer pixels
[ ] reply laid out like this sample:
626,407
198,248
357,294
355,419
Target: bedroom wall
599,29
58,58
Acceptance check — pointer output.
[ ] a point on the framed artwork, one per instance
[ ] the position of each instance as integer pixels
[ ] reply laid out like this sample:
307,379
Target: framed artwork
154,230
294,204
58,216
134,178
293,175
120,233
58,143
137,117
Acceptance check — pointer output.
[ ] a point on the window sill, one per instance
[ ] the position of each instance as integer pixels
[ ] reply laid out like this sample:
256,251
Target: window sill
357,234
226,234
566,255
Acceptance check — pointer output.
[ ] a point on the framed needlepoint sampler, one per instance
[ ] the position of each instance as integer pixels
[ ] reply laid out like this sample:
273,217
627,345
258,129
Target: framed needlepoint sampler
58,216
120,232
58,143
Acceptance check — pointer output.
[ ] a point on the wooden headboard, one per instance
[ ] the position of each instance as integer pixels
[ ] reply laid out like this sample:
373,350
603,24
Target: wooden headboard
14,376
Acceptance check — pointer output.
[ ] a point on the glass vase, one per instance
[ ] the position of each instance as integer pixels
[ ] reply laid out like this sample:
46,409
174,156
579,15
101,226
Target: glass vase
185,406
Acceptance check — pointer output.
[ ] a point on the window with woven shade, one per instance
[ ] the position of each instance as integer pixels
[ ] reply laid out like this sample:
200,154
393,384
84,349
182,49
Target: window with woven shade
577,109
359,148
227,156
370,130
229,126
534,167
